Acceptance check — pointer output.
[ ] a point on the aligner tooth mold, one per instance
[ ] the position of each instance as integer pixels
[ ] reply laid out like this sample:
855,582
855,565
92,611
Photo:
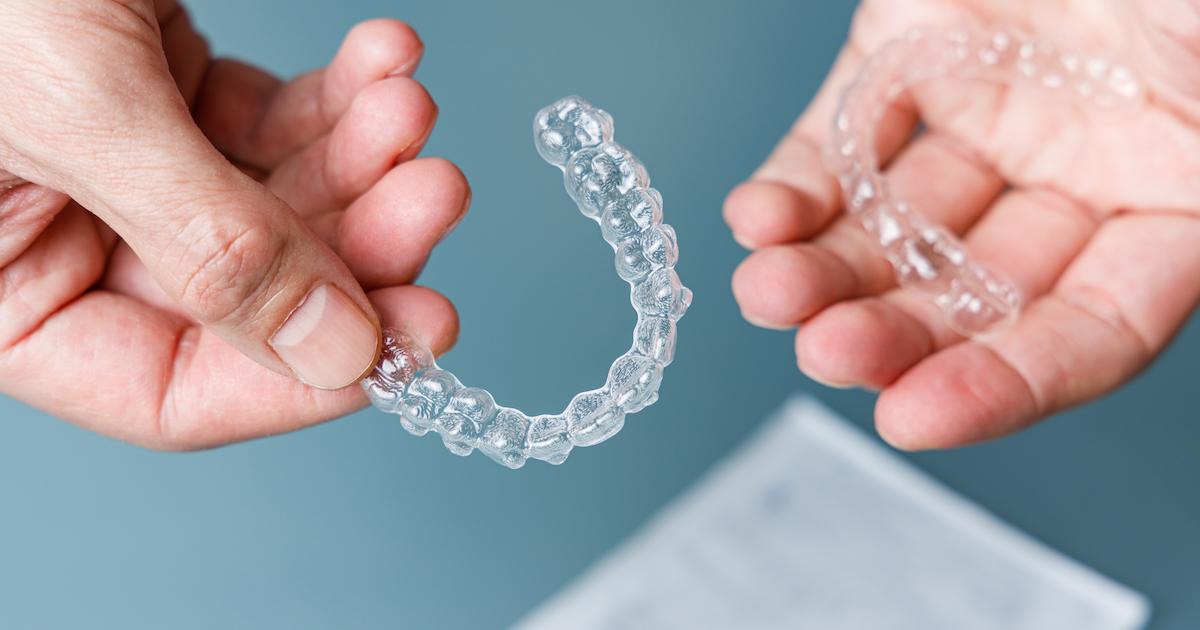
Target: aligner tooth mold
610,186
926,257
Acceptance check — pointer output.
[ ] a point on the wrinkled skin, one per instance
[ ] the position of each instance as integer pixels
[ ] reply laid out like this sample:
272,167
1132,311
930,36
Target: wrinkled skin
148,187
1094,218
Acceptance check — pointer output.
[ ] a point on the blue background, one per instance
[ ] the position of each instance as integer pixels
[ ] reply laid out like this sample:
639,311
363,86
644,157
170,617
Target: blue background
355,524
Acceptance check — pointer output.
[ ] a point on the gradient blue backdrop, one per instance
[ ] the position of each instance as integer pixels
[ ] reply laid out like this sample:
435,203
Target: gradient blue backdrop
358,525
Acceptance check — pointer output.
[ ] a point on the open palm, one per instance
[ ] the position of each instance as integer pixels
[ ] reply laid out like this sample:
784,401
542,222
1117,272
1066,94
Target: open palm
87,333
1095,217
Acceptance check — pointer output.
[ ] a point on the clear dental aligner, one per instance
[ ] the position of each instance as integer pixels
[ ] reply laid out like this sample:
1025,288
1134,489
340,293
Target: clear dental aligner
611,187
927,257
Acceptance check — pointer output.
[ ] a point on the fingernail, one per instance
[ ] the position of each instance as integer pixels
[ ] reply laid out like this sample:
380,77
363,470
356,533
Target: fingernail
744,242
461,213
415,146
406,69
409,67
754,321
328,341
829,383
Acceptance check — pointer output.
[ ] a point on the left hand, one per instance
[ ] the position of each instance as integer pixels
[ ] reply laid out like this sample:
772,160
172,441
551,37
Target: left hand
1098,222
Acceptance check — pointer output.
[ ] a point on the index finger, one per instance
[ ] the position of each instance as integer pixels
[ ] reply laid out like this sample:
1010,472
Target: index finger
792,195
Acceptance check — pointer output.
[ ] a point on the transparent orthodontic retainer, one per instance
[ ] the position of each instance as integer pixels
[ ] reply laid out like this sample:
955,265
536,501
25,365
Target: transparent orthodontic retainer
611,187
926,257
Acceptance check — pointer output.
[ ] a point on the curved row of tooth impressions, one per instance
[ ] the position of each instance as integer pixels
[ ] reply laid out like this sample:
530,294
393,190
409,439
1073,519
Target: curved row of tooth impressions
611,187
927,257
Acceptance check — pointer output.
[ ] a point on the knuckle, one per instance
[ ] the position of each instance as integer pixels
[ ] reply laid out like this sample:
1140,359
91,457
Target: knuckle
228,268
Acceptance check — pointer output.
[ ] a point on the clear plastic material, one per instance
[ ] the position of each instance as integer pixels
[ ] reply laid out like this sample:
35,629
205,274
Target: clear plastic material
611,187
927,258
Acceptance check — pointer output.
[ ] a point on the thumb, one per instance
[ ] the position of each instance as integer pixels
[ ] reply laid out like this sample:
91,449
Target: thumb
113,131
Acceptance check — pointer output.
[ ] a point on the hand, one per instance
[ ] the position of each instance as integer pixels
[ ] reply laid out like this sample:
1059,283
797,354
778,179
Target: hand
183,240
1098,222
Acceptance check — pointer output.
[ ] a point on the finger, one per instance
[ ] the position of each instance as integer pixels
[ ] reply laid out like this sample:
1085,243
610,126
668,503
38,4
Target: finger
424,313
792,195
187,52
778,287
205,405
25,211
943,180
373,50
64,259
127,275
1102,324
1027,237
386,235
946,182
258,121
875,24
968,392
1147,265
388,123
868,342
164,10
1030,236
254,118
764,215
782,286
972,392
154,380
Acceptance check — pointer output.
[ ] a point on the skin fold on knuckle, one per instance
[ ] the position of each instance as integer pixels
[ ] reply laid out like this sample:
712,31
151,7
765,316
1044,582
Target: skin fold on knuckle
179,425
228,269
